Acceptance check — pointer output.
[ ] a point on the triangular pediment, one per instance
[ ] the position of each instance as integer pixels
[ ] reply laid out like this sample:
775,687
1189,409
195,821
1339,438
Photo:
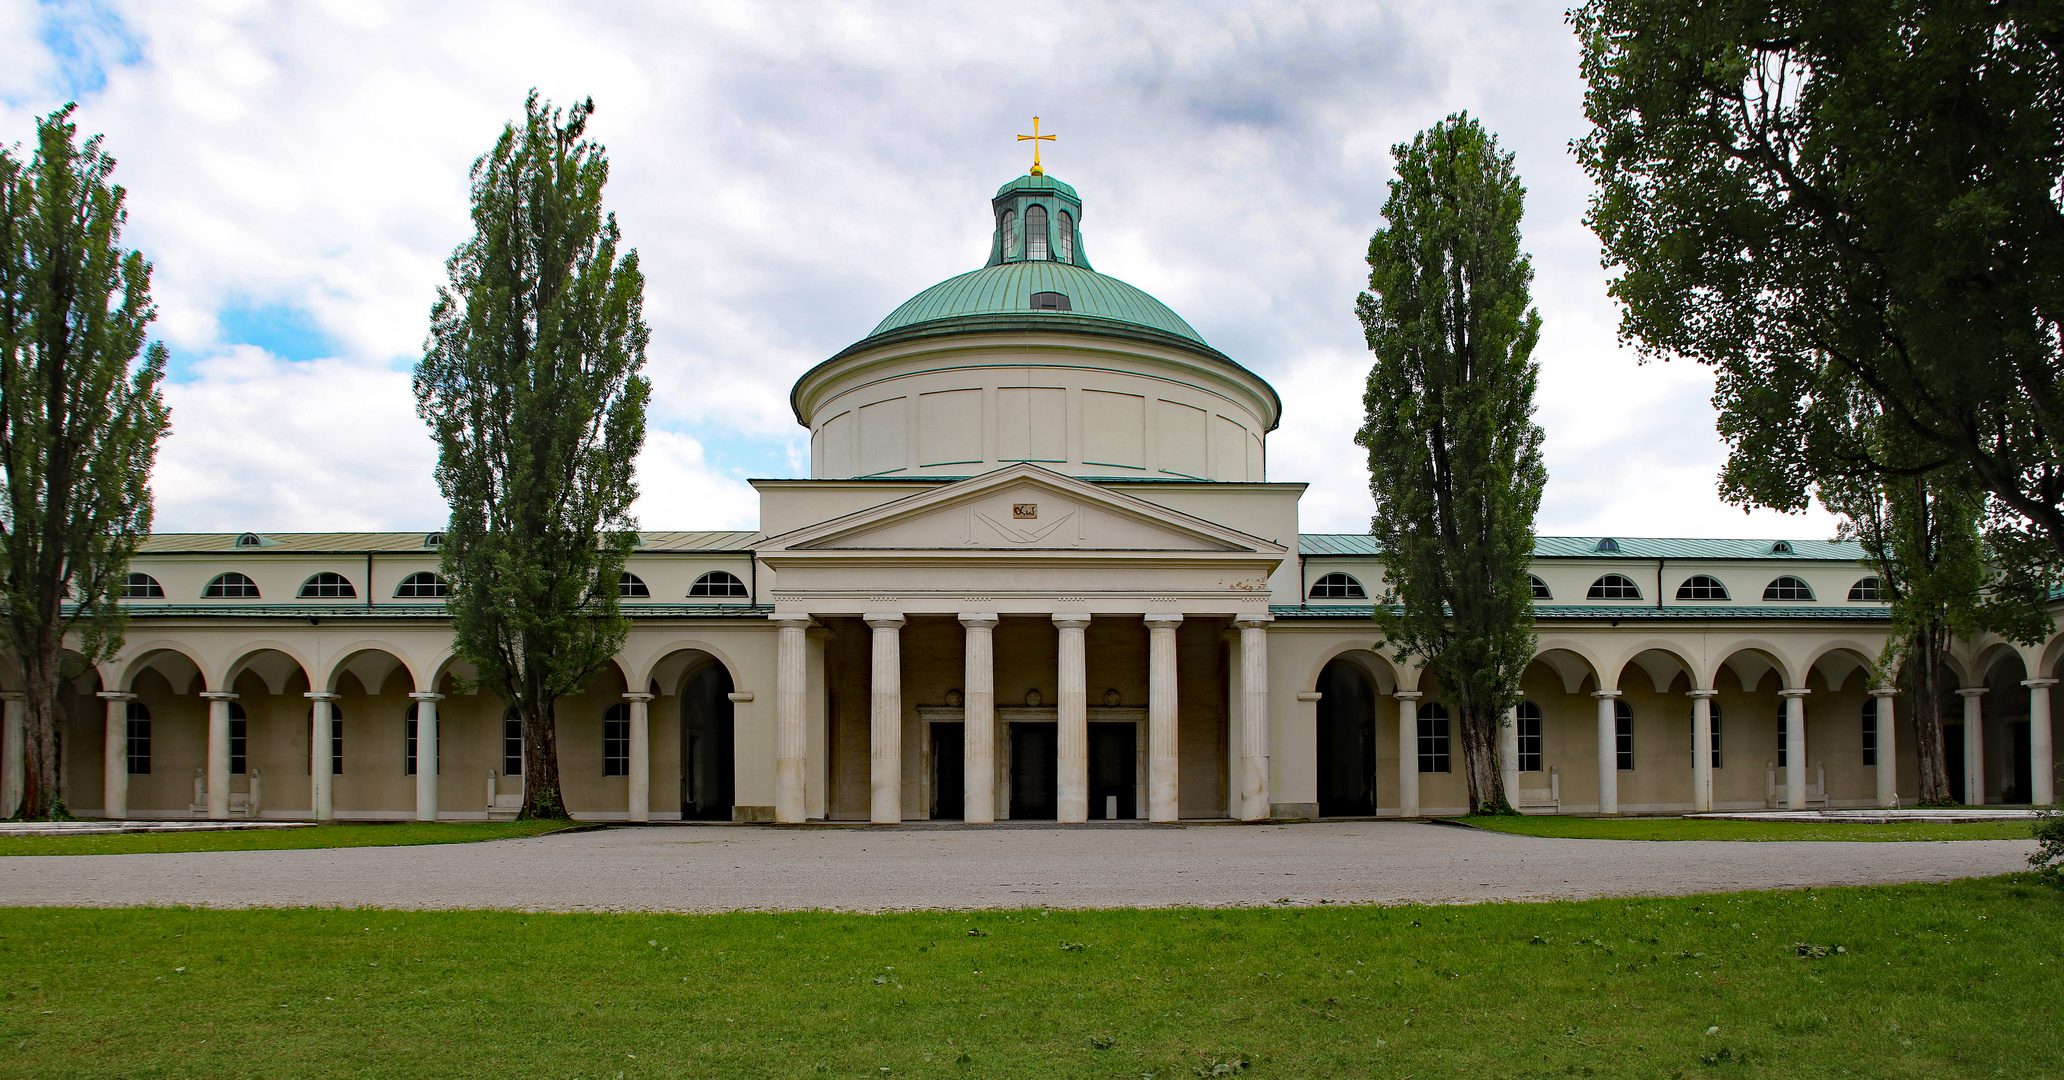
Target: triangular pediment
1021,508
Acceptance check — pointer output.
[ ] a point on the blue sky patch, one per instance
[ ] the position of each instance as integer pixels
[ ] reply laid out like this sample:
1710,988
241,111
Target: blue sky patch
285,332
85,37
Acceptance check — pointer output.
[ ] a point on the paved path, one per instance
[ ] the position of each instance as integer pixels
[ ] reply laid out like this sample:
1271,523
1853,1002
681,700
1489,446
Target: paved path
730,868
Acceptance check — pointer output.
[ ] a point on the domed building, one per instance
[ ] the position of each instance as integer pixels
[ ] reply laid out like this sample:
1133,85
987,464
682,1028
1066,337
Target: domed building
1039,570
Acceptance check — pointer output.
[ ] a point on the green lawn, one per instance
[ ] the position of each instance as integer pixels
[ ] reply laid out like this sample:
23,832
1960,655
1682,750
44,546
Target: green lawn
1958,979
321,836
1661,828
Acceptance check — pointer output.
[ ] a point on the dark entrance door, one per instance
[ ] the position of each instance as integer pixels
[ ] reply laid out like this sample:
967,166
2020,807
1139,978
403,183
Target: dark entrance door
1953,759
949,772
706,771
1034,771
1113,768
2024,764
1347,742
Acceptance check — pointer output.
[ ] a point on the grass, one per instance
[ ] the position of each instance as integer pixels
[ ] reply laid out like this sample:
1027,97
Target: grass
321,836
1956,979
1705,829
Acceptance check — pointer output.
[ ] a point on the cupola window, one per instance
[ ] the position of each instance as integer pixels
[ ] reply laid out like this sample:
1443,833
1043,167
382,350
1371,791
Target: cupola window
1064,238
1035,232
1010,233
1051,301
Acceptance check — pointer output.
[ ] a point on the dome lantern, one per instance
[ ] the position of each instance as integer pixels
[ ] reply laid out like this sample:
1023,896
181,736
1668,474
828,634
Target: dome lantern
1038,219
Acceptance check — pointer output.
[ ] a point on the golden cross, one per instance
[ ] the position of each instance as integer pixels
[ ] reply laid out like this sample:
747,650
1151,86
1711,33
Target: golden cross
1035,139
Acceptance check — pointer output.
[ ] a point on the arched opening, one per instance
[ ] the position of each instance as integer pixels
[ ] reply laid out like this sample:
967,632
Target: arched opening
707,770
1347,741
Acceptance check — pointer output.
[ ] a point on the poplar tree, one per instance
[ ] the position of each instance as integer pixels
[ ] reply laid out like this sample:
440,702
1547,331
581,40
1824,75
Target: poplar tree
529,382
80,423
1454,453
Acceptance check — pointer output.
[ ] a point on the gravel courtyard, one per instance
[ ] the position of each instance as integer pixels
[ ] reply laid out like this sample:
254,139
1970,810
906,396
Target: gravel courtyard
733,868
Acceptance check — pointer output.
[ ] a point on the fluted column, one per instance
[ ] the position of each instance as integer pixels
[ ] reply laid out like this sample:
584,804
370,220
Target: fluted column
886,720
1608,752
1974,745
791,727
1163,790
218,753
1071,708
1795,748
1888,749
978,716
1408,752
114,792
639,796
13,746
426,755
321,785
1254,718
2042,750
1702,751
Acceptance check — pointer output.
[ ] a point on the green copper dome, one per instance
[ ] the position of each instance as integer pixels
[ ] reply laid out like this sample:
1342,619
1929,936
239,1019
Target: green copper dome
1008,289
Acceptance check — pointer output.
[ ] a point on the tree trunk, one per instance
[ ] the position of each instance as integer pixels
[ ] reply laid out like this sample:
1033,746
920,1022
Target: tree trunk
1924,697
1480,759
542,797
42,789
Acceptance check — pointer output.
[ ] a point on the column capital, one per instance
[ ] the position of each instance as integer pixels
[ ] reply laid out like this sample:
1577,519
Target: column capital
1408,695
884,620
1972,691
638,697
315,695
1793,693
224,695
1164,619
978,620
1253,621
426,697
111,695
1700,693
784,618
2033,684
1071,620
1603,694
1883,691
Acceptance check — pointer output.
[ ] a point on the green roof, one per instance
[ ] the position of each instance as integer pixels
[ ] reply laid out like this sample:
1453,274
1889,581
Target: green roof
1007,289
1557,612
1042,182
1630,547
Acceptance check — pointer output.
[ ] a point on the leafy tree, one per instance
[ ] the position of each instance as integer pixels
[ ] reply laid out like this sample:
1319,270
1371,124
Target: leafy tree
1827,200
1454,453
530,383
80,422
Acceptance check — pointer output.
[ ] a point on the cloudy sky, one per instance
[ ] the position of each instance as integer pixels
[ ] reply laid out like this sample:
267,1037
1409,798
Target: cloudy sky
789,173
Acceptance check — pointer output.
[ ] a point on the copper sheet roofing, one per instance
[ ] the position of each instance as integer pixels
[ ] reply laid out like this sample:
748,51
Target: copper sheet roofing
409,542
1630,547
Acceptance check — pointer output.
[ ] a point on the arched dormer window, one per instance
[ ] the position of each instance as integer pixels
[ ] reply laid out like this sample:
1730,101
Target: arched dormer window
250,540
231,586
1609,545
140,586
1540,588
718,583
1870,588
631,585
1787,588
1064,237
1614,587
1781,547
1702,587
1010,234
423,585
327,586
1035,232
1051,301
433,540
1337,586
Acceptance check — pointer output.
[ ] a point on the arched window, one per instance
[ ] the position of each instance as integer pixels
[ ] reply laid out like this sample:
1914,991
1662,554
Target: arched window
433,540
1064,237
630,585
140,586
1702,587
1870,588
616,740
423,585
239,739
1614,587
718,583
1781,547
250,540
1529,737
1035,232
1787,588
1609,544
1051,301
1010,234
410,749
1540,588
1337,586
231,586
139,736
1623,734
327,586
1433,739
